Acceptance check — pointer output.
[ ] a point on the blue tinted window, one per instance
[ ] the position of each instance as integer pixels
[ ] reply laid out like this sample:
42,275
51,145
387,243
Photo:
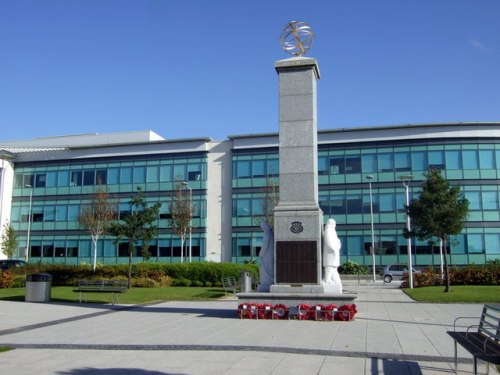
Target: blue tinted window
486,159
113,174
490,200
243,168
125,175
355,245
63,178
139,174
492,243
51,179
242,207
474,200
453,160
436,159
387,203
470,159
259,168
180,172
152,174
402,161
322,165
272,167
369,163
419,161
165,173
475,243
385,162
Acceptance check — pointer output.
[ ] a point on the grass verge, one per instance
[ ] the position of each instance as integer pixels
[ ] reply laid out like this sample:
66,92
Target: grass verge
457,294
132,296
5,348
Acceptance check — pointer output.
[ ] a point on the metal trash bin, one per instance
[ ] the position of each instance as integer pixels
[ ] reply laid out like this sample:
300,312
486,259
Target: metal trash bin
38,287
246,281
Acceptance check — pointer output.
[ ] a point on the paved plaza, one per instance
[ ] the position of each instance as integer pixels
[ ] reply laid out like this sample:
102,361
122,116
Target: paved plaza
391,335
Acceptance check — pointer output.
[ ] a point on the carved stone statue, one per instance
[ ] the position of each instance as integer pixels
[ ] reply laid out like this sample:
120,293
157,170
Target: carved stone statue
331,258
266,256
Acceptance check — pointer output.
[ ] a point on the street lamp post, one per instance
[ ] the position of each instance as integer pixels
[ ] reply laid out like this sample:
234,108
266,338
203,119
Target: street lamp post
26,255
406,183
190,217
369,178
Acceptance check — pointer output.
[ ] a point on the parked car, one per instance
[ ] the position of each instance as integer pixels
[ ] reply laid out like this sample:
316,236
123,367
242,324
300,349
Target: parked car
396,271
6,264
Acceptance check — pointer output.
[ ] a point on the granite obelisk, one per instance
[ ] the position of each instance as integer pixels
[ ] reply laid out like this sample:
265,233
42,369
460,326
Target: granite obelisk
298,218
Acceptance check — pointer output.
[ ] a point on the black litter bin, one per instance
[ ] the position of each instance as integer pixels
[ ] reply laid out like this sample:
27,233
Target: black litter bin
38,287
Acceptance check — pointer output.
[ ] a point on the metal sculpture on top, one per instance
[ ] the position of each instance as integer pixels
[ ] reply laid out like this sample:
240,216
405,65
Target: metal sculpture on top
297,38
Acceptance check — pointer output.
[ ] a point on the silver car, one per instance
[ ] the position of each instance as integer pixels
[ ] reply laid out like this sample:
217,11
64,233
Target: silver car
396,271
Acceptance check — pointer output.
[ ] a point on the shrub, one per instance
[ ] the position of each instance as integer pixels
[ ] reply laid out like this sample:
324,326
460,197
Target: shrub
144,282
353,268
6,279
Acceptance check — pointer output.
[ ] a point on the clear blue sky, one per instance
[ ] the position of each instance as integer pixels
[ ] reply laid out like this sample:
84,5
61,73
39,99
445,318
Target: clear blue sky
193,68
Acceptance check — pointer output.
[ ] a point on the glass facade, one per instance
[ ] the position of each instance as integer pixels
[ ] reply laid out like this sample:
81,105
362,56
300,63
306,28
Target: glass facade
59,190
344,195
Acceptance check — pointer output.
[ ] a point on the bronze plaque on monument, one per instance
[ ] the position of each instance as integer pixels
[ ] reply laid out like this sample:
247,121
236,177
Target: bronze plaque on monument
296,262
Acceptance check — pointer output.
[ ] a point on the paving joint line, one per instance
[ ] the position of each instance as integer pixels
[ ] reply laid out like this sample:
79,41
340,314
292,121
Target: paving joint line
239,348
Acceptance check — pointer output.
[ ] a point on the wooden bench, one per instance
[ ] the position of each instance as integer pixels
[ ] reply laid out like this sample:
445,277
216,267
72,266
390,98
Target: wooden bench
482,343
115,287
230,284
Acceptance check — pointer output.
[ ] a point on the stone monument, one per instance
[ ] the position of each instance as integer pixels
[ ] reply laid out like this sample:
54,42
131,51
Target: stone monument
297,216
298,219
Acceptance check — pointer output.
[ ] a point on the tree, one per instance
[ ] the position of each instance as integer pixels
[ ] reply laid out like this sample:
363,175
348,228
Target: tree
270,200
96,217
138,226
440,211
9,240
181,212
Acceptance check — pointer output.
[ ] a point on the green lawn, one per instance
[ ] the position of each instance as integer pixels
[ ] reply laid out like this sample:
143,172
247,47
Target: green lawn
132,296
458,293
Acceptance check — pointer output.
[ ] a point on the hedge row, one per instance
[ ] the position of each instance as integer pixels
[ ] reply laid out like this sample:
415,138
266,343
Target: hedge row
488,274
143,274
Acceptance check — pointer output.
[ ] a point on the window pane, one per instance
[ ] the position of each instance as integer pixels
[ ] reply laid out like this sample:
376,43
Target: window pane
353,164
242,207
139,174
354,204
194,172
337,165
113,174
63,178
419,161
436,159
125,175
453,160
243,168
322,165
49,213
165,173
385,162
180,172
402,161
40,180
61,213
486,159
369,163
152,174
76,178
88,177
73,211
258,168
101,177
355,245
475,243
470,159
474,200
387,203
273,167
492,243
490,200
51,179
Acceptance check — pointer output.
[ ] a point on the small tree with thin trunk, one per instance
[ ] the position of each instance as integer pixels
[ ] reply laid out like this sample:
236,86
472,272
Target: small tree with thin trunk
270,200
9,240
440,211
181,212
138,226
96,217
